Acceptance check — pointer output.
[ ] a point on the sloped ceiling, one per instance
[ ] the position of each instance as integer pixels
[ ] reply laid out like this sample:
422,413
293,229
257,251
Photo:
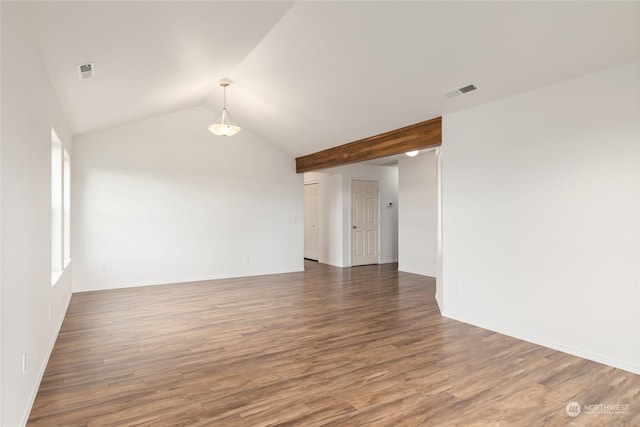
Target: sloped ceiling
151,57
313,75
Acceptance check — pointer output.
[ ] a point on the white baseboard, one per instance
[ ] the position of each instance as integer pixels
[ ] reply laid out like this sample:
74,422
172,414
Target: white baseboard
43,367
124,285
419,274
625,366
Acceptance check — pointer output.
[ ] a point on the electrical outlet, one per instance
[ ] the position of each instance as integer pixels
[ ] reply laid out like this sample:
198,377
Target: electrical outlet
456,289
104,268
24,362
247,258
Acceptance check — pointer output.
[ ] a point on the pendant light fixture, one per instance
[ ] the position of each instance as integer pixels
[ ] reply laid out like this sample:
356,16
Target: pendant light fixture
224,125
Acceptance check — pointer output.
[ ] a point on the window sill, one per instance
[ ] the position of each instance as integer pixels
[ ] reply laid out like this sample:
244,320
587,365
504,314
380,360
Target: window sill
55,276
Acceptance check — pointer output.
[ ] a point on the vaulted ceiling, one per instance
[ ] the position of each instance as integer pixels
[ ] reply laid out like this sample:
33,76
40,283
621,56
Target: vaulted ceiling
313,75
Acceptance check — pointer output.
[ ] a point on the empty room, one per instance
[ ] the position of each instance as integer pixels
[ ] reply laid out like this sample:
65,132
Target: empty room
319,213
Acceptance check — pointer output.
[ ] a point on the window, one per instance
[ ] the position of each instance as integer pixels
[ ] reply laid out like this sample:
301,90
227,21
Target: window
60,208
66,212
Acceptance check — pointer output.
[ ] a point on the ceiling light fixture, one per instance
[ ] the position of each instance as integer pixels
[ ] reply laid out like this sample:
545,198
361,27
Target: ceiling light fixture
412,153
224,125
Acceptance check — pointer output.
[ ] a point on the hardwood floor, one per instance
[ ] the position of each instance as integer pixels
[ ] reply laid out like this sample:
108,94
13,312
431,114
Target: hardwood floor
364,346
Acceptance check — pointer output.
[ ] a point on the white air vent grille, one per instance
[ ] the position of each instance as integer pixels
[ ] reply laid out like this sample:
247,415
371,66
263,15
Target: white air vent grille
86,71
457,92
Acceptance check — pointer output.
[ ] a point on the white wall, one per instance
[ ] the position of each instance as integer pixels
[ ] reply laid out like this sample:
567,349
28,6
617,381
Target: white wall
541,216
163,200
29,110
417,214
335,211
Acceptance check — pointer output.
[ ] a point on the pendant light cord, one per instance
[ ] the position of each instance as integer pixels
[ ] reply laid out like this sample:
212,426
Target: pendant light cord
224,102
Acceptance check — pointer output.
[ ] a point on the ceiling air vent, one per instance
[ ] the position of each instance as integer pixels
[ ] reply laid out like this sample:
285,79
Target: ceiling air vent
457,92
86,71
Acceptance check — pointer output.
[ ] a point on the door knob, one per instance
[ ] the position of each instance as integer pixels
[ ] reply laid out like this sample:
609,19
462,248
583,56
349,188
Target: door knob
354,226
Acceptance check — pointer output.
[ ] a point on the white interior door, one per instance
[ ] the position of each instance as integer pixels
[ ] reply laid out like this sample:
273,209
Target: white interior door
311,221
364,222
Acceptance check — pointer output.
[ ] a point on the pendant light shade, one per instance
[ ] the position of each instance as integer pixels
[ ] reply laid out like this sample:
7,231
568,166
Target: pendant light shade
224,125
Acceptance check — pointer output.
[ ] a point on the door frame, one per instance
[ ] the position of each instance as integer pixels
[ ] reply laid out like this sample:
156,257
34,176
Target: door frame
316,182
348,223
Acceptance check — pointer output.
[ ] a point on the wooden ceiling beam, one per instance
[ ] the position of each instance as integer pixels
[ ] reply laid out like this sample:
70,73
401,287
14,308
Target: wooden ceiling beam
414,137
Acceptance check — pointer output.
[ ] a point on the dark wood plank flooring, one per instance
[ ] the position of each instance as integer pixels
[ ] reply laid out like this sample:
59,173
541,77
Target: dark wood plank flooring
364,346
